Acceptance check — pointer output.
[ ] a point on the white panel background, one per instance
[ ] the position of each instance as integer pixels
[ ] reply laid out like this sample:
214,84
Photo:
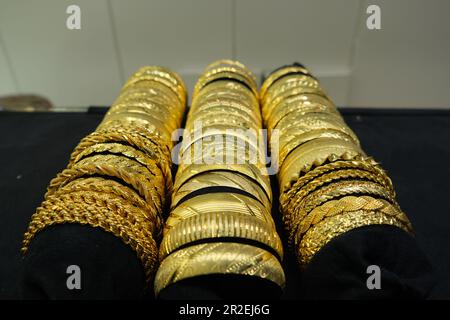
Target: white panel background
406,64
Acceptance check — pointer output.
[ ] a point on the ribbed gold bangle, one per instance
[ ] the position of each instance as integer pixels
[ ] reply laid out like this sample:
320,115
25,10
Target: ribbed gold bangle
218,258
224,203
221,179
215,225
156,93
323,232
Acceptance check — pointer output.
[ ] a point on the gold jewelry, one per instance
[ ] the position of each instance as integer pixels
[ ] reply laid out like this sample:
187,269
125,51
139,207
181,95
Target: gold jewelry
313,154
258,175
361,163
218,258
221,179
219,202
276,75
215,225
55,211
323,232
146,183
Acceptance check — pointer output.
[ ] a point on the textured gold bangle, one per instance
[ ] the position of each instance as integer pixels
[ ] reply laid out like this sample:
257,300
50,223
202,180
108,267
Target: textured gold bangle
218,258
340,189
313,154
290,82
106,186
289,143
274,76
137,237
221,179
350,203
301,104
361,163
166,77
258,175
148,144
131,172
325,179
223,203
215,225
323,232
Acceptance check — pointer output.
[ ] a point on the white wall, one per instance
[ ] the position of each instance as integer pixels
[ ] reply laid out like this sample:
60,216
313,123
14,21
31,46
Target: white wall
405,64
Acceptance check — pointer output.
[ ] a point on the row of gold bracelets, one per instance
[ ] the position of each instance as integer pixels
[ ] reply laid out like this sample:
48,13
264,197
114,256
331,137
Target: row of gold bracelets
220,220
328,185
119,176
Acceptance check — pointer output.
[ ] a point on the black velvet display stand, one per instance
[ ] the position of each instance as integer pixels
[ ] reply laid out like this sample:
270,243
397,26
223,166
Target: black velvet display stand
413,146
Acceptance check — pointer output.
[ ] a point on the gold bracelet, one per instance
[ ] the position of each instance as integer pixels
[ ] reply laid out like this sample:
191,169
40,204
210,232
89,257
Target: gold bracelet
221,179
289,143
303,103
339,189
144,182
166,77
313,154
361,163
218,258
274,76
253,172
224,203
215,225
322,233
106,186
348,204
140,240
322,180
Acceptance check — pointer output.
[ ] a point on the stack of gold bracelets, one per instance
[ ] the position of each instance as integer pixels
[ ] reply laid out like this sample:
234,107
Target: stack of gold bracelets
328,185
119,176
221,190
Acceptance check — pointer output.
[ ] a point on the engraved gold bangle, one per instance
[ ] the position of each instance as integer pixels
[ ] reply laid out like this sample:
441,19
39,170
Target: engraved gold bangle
223,203
313,154
362,163
221,179
218,258
274,76
323,232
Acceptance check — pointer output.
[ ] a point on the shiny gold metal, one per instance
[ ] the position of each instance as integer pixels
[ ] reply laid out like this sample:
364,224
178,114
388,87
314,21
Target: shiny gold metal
218,225
218,258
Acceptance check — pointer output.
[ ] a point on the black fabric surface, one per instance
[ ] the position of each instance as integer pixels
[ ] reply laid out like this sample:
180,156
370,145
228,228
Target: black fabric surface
413,146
